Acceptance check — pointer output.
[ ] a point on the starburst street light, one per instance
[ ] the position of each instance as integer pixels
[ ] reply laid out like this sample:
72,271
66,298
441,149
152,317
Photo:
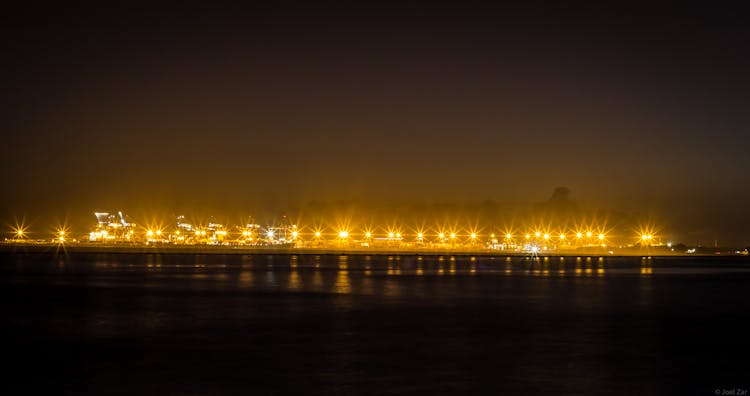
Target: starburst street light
19,231
646,235
61,235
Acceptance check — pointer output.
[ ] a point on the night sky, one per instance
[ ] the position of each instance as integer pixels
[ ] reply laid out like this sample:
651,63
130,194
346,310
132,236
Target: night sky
205,108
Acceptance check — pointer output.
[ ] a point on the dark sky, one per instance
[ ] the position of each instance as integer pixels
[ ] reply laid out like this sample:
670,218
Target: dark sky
203,107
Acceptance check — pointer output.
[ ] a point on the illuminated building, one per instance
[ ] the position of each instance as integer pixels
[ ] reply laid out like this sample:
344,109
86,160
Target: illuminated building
112,228
282,233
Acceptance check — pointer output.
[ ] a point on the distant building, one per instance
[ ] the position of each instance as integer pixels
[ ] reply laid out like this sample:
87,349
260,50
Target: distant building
112,228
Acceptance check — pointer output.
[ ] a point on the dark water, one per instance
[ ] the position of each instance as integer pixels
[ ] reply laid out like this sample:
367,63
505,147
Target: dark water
185,324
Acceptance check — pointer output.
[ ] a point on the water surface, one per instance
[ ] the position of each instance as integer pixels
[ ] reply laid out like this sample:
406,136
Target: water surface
320,324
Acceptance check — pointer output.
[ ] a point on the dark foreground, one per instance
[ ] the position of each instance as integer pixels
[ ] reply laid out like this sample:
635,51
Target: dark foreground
277,324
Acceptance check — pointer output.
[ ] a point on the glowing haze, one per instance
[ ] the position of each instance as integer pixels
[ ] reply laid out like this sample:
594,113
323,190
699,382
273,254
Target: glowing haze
203,109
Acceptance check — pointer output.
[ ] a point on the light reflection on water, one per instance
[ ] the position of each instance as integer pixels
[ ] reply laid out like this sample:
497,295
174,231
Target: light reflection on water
343,284
295,282
388,275
552,317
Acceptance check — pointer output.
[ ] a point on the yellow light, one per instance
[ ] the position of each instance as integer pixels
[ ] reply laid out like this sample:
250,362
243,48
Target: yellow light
62,233
588,234
644,237
149,233
453,235
158,232
419,235
546,236
131,232
528,236
19,233
398,235
294,234
492,235
197,232
441,235
343,234
537,234
508,236
368,235
562,236
317,234
177,232
579,235
269,234
650,236
473,235
245,233
601,237
390,235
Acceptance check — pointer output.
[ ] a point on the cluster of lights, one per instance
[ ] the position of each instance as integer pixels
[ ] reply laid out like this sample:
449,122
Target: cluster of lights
538,238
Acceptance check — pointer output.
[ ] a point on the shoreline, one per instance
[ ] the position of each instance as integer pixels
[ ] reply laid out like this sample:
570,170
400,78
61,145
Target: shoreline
263,250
